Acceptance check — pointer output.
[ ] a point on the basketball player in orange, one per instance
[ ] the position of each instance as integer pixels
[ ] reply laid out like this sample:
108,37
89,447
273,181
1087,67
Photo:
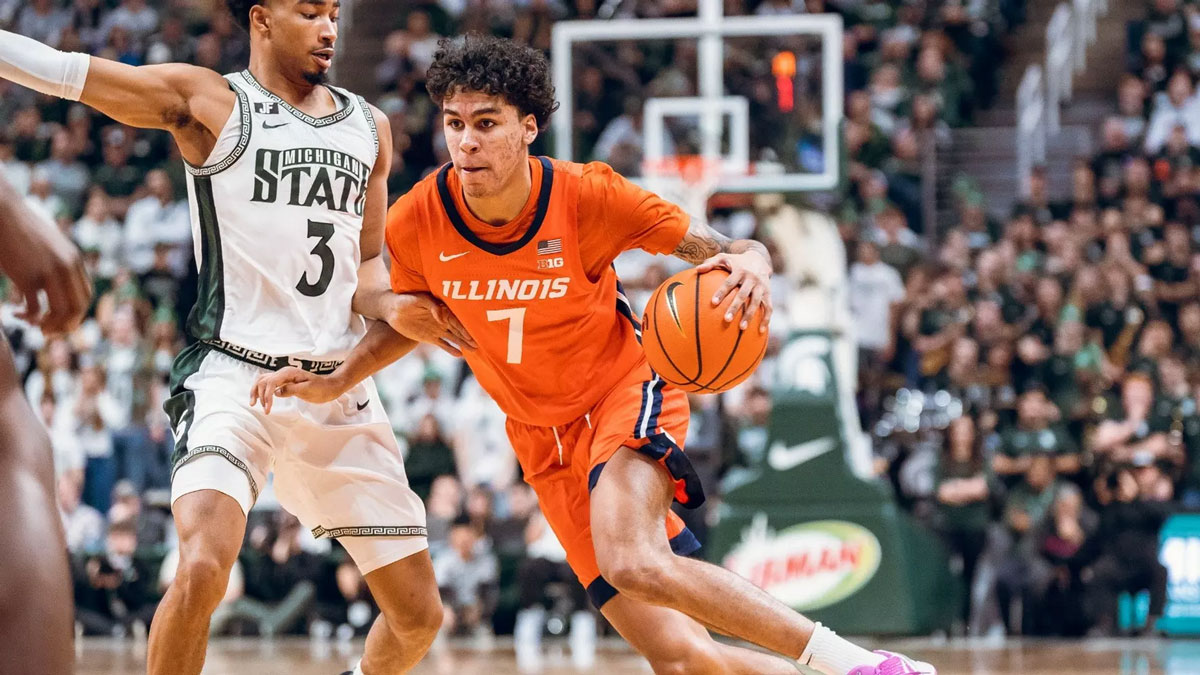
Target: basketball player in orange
35,591
521,249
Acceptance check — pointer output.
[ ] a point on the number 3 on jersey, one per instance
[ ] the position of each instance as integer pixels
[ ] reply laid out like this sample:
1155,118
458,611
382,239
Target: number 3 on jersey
322,251
516,329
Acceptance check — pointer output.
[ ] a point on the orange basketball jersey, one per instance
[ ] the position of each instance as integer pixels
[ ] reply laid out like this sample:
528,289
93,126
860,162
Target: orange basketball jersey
552,341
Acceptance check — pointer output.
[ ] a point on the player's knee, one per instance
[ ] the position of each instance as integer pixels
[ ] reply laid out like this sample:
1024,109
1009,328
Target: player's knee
202,579
636,574
418,623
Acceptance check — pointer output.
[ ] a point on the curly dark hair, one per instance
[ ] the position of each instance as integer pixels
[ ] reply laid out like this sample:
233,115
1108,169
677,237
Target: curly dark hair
493,66
240,9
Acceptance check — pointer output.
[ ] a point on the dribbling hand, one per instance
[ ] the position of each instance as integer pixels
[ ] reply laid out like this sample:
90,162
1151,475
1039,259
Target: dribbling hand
750,275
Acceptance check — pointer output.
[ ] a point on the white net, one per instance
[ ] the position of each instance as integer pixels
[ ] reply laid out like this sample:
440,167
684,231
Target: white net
686,180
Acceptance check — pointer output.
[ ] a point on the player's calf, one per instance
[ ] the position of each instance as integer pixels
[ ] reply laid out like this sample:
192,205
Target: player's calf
406,591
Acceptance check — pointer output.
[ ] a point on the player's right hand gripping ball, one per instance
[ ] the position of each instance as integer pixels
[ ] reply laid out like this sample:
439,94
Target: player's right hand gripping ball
688,342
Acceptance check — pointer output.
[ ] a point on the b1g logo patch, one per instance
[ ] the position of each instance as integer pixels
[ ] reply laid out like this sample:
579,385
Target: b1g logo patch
549,263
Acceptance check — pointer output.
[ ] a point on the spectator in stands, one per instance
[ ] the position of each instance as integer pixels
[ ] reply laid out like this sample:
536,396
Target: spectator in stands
1132,431
1066,540
68,176
172,44
480,509
467,574
43,201
432,399
419,40
115,589
547,586
899,246
1165,20
963,496
117,177
15,171
1130,519
157,218
1178,108
874,288
1153,64
83,524
135,18
441,510
279,579
96,413
152,525
42,21
429,456
57,373
349,606
30,135
1021,573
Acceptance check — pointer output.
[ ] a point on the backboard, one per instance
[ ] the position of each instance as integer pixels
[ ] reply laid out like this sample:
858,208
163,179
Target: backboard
761,95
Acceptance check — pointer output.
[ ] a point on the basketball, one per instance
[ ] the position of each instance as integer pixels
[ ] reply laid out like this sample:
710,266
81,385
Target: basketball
687,340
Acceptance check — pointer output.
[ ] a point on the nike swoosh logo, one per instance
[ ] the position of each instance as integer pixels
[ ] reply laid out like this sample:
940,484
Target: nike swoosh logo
274,126
447,258
363,405
671,303
783,458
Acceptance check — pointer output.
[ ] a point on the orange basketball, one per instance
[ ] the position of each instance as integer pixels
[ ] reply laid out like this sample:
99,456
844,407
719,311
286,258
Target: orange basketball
688,342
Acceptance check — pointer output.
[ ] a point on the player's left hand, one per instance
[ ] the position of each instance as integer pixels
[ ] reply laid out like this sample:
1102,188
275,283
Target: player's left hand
293,381
750,274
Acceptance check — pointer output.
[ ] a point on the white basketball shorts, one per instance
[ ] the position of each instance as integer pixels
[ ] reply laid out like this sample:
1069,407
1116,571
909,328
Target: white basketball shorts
337,466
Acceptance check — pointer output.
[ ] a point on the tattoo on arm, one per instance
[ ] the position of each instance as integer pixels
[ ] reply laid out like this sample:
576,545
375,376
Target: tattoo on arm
702,242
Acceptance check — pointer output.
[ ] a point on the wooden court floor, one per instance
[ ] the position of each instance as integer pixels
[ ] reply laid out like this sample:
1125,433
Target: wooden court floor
305,657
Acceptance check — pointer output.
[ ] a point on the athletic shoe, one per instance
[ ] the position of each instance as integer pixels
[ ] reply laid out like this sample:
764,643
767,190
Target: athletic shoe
895,664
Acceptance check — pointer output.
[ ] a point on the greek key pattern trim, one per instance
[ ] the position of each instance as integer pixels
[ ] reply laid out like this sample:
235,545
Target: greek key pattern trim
243,140
371,531
217,450
256,358
362,103
305,117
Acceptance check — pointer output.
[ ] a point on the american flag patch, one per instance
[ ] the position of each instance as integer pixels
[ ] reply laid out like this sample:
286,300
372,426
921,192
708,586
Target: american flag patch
549,246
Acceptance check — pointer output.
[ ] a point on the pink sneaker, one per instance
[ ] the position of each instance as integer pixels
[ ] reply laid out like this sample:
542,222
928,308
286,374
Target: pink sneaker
896,664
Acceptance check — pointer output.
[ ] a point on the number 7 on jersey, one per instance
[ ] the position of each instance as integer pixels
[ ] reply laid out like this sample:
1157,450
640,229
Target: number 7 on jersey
516,329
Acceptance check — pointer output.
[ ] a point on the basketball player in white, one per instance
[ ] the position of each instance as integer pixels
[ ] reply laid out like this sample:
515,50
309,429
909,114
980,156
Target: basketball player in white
287,190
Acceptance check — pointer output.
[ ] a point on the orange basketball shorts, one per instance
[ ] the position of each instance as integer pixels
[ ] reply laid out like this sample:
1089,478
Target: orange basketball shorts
564,463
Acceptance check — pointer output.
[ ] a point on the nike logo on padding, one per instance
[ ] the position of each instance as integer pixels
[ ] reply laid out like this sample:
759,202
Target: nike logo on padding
363,405
274,126
782,458
447,258
671,303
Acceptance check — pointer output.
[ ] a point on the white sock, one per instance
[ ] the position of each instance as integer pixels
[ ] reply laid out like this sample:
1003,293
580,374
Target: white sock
832,655
358,668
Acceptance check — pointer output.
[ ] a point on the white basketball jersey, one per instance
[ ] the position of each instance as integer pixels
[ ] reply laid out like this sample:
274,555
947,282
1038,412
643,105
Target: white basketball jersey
276,217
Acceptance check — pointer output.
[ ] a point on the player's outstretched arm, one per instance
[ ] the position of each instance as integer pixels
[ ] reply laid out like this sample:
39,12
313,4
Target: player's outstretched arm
380,347
748,263
191,102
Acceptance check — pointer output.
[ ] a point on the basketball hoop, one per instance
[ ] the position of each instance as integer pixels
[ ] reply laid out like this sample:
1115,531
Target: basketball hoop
686,180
